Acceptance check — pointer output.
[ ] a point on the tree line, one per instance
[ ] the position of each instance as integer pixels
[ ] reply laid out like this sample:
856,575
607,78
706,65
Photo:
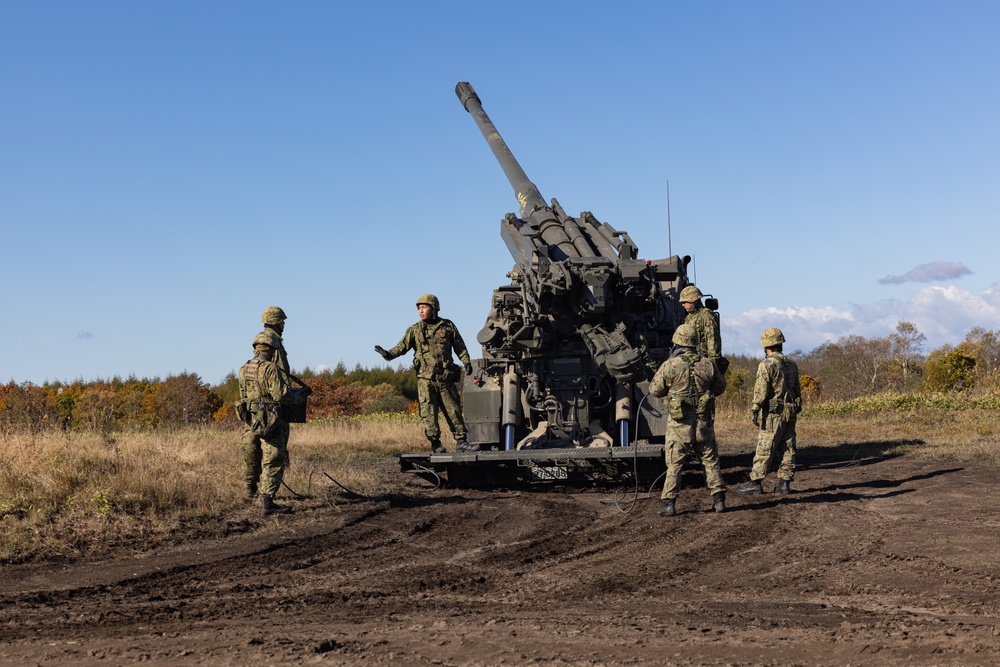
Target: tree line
856,366
851,367
106,406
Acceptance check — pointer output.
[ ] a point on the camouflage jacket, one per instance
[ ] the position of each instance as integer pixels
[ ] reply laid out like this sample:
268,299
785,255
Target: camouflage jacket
432,343
777,386
709,338
689,379
261,379
280,356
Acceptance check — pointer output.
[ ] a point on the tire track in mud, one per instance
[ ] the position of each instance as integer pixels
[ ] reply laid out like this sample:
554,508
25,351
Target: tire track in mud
177,585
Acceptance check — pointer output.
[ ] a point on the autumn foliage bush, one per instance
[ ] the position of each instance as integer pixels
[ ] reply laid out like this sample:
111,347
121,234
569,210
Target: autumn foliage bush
105,406
108,406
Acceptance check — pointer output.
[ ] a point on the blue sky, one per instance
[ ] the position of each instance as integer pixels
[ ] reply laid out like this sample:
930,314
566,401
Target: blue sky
168,169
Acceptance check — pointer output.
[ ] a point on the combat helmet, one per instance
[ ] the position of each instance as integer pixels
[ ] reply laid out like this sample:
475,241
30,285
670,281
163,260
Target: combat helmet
772,337
686,336
690,294
430,300
273,315
267,338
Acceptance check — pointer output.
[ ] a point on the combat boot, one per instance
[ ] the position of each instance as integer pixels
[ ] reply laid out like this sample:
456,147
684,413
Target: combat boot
464,445
437,447
719,503
667,508
251,491
783,487
753,486
269,507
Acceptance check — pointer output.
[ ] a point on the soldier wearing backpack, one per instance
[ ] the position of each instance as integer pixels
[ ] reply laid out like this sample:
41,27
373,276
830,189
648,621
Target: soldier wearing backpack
264,389
689,383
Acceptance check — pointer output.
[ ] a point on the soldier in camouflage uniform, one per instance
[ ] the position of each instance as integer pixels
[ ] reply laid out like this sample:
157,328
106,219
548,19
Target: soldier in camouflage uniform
777,401
690,382
706,325
432,339
274,325
273,318
264,389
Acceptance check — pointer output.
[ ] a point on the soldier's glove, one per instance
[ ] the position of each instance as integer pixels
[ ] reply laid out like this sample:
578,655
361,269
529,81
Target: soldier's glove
468,370
755,418
381,350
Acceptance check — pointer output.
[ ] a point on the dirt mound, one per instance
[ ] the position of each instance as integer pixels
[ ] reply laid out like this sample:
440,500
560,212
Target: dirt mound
872,561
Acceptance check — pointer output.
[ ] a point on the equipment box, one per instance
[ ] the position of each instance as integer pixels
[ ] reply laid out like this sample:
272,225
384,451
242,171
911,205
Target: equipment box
297,412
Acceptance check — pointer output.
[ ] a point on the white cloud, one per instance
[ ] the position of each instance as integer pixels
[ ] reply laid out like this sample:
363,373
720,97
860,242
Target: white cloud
943,314
992,296
804,327
321,368
930,272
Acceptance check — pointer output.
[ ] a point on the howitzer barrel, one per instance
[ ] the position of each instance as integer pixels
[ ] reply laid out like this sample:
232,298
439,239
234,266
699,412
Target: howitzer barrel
527,194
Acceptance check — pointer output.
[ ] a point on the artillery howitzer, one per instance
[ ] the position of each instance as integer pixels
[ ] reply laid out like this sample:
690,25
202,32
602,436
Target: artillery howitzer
569,347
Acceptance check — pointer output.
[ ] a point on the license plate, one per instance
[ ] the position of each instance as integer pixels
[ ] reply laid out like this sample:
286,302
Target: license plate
550,472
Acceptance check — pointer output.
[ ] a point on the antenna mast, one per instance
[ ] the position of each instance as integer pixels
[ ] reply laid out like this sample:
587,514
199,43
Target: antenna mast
670,245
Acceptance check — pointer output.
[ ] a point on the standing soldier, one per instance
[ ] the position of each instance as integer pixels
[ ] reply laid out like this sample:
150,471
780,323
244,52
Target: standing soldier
264,389
706,326
274,325
432,339
690,382
777,400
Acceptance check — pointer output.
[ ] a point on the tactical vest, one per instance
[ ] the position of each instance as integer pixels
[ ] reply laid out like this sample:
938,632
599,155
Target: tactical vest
433,357
249,387
259,411
787,402
689,400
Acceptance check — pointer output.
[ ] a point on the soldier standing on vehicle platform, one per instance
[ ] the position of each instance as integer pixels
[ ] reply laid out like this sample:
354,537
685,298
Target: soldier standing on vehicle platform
690,382
706,325
433,339
777,401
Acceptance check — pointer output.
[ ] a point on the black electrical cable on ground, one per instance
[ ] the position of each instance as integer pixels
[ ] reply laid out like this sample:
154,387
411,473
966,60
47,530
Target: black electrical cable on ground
424,469
350,494
297,495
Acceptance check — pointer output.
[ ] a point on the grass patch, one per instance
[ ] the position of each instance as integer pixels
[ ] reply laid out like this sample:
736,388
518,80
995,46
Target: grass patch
63,495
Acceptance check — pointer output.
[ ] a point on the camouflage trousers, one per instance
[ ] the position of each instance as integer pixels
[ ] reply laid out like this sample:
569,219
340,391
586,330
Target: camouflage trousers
434,397
687,438
775,443
264,461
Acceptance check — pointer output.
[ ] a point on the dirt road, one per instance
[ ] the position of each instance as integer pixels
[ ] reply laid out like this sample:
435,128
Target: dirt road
872,560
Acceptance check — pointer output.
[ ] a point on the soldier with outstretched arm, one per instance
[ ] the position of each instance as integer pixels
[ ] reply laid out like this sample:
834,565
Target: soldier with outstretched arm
432,340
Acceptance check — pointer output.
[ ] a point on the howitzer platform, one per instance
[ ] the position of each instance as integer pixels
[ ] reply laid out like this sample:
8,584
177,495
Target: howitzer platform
583,466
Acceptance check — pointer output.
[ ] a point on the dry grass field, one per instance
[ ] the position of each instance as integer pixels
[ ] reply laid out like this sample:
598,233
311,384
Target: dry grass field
69,494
